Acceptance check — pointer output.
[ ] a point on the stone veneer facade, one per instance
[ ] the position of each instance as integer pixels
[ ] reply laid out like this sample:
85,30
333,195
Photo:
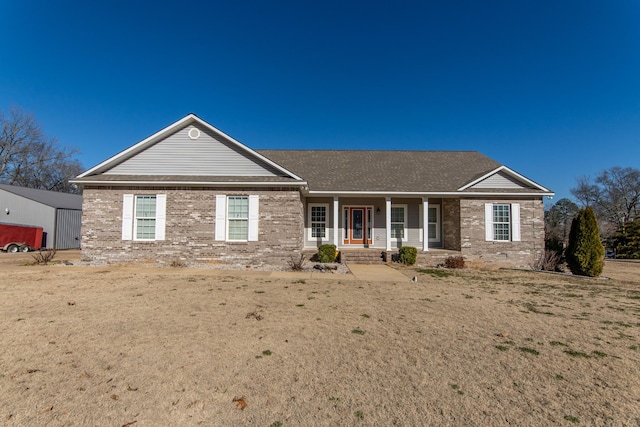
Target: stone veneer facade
520,254
190,228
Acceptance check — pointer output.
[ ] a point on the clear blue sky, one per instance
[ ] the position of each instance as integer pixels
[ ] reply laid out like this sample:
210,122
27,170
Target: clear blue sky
549,88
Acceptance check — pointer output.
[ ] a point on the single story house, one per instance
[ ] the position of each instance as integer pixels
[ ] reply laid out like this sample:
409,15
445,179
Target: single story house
193,193
59,214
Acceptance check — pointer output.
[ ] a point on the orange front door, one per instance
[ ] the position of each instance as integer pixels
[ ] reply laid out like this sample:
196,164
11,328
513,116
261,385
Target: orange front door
359,229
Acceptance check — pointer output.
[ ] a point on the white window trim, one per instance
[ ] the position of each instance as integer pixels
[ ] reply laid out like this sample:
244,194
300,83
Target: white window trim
514,222
326,221
227,238
222,223
129,223
436,239
404,233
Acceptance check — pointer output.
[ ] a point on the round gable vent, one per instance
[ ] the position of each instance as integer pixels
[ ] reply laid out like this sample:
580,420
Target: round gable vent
194,133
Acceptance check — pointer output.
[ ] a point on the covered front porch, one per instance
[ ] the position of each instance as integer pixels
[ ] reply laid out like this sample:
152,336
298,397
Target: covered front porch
382,223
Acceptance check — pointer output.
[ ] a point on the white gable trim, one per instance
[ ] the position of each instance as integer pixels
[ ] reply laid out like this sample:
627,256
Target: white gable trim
156,137
509,172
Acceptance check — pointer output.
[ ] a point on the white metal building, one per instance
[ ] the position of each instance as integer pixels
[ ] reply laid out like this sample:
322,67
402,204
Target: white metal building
59,214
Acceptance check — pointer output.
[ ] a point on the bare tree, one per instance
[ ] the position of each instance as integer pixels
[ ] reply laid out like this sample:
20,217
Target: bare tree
558,220
614,196
30,158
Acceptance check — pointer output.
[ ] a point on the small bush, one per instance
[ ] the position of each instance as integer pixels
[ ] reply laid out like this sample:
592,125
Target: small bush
297,264
548,261
327,253
408,255
178,263
454,262
44,257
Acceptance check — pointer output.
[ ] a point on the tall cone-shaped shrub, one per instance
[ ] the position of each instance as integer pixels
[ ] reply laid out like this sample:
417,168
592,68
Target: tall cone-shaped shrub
585,253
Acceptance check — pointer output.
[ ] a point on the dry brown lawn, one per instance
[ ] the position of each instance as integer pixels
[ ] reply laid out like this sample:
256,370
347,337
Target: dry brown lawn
117,346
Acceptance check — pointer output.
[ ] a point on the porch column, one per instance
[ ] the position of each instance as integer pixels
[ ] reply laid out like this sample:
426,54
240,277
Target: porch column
336,221
425,224
388,222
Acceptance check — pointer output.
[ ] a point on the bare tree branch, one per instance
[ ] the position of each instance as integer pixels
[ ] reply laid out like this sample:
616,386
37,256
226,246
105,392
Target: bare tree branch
29,158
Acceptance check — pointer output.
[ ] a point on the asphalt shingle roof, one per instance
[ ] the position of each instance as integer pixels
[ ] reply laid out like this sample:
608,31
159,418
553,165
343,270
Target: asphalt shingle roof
392,171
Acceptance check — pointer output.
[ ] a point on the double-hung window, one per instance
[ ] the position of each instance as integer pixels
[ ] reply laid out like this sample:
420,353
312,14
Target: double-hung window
238,217
399,222
143,216
502,222
145,221
318,221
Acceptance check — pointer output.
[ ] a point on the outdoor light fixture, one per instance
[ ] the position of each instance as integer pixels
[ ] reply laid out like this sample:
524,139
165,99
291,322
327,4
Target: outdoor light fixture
6,210
377,210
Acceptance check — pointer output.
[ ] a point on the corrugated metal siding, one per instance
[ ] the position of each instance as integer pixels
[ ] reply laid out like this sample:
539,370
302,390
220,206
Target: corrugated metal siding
178,154
27,212
499,180
68,229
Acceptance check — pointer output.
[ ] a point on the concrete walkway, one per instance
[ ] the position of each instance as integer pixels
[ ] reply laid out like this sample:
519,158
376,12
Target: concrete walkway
376,273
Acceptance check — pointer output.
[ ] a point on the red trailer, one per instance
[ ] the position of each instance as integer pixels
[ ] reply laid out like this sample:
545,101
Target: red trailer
20,238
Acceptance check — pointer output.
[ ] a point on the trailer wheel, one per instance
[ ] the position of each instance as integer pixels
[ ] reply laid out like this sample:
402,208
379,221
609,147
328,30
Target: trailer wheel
25,248
13,248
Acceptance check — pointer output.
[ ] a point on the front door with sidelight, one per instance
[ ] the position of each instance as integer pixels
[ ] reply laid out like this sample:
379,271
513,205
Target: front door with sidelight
358,222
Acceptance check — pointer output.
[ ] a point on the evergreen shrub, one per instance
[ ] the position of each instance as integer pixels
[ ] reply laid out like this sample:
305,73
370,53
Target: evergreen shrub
408,255
327,253
585,253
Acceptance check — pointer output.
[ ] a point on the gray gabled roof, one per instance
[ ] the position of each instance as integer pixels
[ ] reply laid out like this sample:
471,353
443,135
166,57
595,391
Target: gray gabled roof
385,171
49,198
319,171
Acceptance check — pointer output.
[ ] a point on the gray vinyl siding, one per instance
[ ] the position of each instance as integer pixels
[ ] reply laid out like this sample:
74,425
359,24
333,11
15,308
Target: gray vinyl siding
499,180
209,155
68,226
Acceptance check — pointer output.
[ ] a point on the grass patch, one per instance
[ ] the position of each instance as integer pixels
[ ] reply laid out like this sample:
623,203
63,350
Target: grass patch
276,424
357,331
359,415
502,347
366,316
571,419
557,344
301,281
267,353
435,272
529,350
456,387
599,354
299,305
577,353
559,377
